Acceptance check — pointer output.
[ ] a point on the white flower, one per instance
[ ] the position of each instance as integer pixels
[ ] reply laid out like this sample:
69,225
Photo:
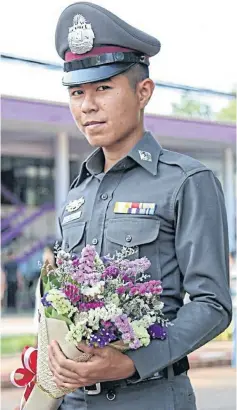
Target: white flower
96,289
76,333
114,298
141,332
60,303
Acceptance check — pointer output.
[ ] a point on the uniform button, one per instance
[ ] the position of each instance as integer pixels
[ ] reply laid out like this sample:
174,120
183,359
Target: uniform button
111,395
104,196
94,241
128,238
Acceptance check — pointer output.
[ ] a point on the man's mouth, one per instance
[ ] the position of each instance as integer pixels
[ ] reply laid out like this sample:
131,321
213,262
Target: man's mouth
93,123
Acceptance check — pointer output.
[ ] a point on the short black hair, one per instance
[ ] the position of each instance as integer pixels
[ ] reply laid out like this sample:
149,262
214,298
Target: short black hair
136,74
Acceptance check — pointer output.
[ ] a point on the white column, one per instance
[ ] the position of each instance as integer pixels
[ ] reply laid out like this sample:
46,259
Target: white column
62,173
229,188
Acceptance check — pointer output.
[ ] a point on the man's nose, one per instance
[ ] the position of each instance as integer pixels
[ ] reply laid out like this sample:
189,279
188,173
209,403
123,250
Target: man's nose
89,103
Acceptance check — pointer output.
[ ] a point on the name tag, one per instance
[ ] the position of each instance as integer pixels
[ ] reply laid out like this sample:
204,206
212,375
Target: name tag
137,208
71,217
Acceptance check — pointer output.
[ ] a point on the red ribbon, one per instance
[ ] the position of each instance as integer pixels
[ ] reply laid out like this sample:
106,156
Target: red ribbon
26,376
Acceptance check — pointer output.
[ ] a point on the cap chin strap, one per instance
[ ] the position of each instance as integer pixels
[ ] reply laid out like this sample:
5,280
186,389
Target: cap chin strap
107,58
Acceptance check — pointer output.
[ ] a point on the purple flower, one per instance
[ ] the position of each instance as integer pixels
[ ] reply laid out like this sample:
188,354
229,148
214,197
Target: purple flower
135,267
76,262
85,265
44,301
126,278
103,337
111,271
123,325
152,287
135,344
90,305
106,324
72,292
105,259
124,288
157,331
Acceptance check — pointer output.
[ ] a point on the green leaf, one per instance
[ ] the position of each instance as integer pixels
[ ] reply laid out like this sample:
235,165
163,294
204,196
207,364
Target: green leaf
55,282
48,311
47,287
66,319
55,315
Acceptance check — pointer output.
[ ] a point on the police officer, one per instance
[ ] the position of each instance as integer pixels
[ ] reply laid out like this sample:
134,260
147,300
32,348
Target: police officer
131,192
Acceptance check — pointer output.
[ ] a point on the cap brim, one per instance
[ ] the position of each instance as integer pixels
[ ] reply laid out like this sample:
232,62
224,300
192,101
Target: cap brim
94,74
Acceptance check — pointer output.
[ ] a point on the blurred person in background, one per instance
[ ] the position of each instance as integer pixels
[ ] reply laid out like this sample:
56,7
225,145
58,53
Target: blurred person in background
3,285
30,272
13,280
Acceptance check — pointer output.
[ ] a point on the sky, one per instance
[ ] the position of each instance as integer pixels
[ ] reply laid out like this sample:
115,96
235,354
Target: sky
197,39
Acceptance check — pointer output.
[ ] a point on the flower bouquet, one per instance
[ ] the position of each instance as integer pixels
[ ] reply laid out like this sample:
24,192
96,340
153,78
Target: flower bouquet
98,301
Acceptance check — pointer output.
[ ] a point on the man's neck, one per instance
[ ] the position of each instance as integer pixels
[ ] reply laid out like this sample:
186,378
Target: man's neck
114,153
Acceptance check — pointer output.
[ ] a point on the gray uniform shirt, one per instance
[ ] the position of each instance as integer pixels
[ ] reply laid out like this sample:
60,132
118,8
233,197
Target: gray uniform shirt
185,239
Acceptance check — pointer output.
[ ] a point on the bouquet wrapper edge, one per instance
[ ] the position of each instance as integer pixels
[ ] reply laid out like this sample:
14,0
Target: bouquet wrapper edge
45,394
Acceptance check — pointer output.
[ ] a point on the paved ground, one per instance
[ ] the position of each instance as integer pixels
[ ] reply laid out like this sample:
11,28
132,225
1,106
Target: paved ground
214,387
17,324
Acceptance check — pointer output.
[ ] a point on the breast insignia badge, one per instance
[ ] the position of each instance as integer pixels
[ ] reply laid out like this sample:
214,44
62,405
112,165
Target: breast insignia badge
75,205
81,35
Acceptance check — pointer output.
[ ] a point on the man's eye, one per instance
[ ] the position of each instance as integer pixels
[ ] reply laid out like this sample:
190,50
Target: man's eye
103,88
76,93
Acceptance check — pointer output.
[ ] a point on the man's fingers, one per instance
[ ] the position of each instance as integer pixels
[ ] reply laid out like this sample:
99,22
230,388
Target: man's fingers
57,358
61,372
64,374
85,348
67,384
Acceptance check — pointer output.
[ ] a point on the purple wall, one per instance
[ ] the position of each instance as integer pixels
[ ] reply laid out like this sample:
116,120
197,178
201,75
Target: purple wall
33,111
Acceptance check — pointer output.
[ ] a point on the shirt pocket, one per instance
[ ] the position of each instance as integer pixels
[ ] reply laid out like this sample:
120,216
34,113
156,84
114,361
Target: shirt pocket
74,237
141,234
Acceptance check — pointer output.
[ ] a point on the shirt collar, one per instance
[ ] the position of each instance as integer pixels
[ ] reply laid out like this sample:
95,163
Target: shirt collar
146,153
95,162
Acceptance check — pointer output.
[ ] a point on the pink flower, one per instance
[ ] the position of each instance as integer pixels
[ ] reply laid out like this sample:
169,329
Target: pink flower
72,293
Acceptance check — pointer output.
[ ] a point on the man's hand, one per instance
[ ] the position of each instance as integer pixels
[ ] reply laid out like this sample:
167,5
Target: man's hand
105,364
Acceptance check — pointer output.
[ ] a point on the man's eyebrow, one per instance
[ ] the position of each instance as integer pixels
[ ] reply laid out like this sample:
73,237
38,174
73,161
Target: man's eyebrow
95,82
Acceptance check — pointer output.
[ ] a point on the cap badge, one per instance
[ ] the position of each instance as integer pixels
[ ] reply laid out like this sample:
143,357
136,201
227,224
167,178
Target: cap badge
145,156
81,35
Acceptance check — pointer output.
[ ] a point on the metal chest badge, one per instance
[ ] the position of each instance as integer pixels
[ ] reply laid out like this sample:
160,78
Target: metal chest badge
81,35
75,205
145,156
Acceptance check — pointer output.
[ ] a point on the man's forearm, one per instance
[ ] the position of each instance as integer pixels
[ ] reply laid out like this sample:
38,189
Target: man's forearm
196,324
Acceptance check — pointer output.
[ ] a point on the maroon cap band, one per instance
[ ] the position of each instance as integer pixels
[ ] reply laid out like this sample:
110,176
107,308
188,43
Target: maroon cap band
95,52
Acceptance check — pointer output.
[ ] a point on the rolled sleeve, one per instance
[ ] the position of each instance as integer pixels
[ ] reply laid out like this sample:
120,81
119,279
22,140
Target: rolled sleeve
201,244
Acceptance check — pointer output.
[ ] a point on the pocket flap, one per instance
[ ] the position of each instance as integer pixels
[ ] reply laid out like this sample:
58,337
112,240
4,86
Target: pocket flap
132,231
73,234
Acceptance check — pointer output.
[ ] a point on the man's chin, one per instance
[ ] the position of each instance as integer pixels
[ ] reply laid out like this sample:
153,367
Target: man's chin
98,141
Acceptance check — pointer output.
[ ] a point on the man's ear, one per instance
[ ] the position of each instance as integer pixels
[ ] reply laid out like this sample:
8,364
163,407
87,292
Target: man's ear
145,90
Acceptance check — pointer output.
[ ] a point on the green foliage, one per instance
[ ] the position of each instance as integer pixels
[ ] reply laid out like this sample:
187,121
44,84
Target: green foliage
228,113
189,107
16,343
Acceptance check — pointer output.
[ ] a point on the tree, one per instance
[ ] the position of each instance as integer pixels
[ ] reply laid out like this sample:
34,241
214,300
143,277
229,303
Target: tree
189,107
228,113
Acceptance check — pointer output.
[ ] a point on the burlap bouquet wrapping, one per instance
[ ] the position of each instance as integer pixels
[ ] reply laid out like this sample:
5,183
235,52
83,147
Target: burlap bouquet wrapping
45,394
